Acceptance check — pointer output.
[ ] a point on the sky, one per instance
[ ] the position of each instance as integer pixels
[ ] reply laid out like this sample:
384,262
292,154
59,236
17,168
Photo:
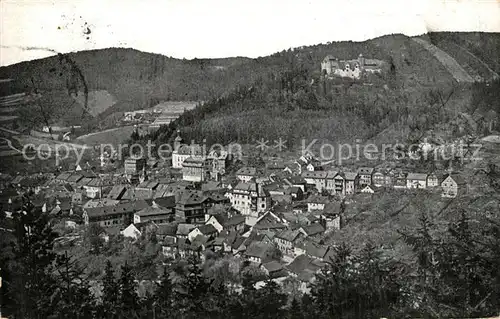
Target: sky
31,29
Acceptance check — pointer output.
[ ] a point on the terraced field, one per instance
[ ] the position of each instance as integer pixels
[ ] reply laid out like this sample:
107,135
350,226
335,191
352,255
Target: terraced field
455,69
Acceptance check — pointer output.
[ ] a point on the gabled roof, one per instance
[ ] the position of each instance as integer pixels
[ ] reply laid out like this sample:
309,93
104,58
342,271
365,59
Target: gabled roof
288,235
316,250
167,229
457,178
117,192
257,249
207,229
247,171
365,170
73,178
350,176
417,176
299,264
167,201
189,197
273,266
313,229
184,229
268,221
235,220
63,176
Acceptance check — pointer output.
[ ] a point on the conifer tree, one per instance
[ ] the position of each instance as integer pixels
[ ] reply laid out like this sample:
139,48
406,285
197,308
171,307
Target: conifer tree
32,285
110,292
128,300
164,297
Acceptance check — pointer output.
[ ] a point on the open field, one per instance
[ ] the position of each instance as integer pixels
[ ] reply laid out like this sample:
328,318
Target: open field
98,101
112,136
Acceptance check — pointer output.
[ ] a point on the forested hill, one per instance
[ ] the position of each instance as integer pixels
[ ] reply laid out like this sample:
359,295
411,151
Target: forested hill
137,80
416,95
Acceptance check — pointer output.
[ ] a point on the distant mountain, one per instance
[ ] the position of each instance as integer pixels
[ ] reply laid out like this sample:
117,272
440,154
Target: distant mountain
128,79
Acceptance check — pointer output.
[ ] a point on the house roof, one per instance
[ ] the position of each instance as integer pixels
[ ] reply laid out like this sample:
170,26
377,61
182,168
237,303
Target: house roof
417,176
297,180
318,200
299,264
167,229
193,149
75,177
152,211
184,229
273,266
148,185
268,221
315,174
129,207
190,197
365,170
167,201
457,178
316,250
313,229
63,176
117,191
207,229
247,171
235,220
288,235
257,249
350,176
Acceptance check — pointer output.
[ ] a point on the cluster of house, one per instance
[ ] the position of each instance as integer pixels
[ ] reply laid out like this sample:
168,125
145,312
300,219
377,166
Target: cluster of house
278,217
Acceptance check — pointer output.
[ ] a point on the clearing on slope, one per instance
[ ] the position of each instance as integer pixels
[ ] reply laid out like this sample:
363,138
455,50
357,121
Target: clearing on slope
448,62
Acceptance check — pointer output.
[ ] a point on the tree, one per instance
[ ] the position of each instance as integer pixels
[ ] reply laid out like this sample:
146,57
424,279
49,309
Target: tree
164,297
271,301
110,292
128,301
32,287
295,310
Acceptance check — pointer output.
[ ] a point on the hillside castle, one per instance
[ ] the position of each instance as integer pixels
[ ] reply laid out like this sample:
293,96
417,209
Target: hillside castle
354,69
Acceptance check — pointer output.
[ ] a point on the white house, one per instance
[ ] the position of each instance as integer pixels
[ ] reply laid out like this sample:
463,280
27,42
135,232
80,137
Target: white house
416,180
131,232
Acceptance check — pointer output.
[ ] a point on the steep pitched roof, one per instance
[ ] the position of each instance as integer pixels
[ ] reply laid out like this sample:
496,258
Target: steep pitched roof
365,170
189,197
207,229
257,249
457,178
235,220
184,229
313,229
167,201
288,235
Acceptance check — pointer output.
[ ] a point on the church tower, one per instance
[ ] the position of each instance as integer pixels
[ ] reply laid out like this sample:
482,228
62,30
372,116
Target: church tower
177,141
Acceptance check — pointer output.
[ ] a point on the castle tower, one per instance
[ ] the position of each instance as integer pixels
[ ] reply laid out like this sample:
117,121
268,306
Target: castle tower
361,61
